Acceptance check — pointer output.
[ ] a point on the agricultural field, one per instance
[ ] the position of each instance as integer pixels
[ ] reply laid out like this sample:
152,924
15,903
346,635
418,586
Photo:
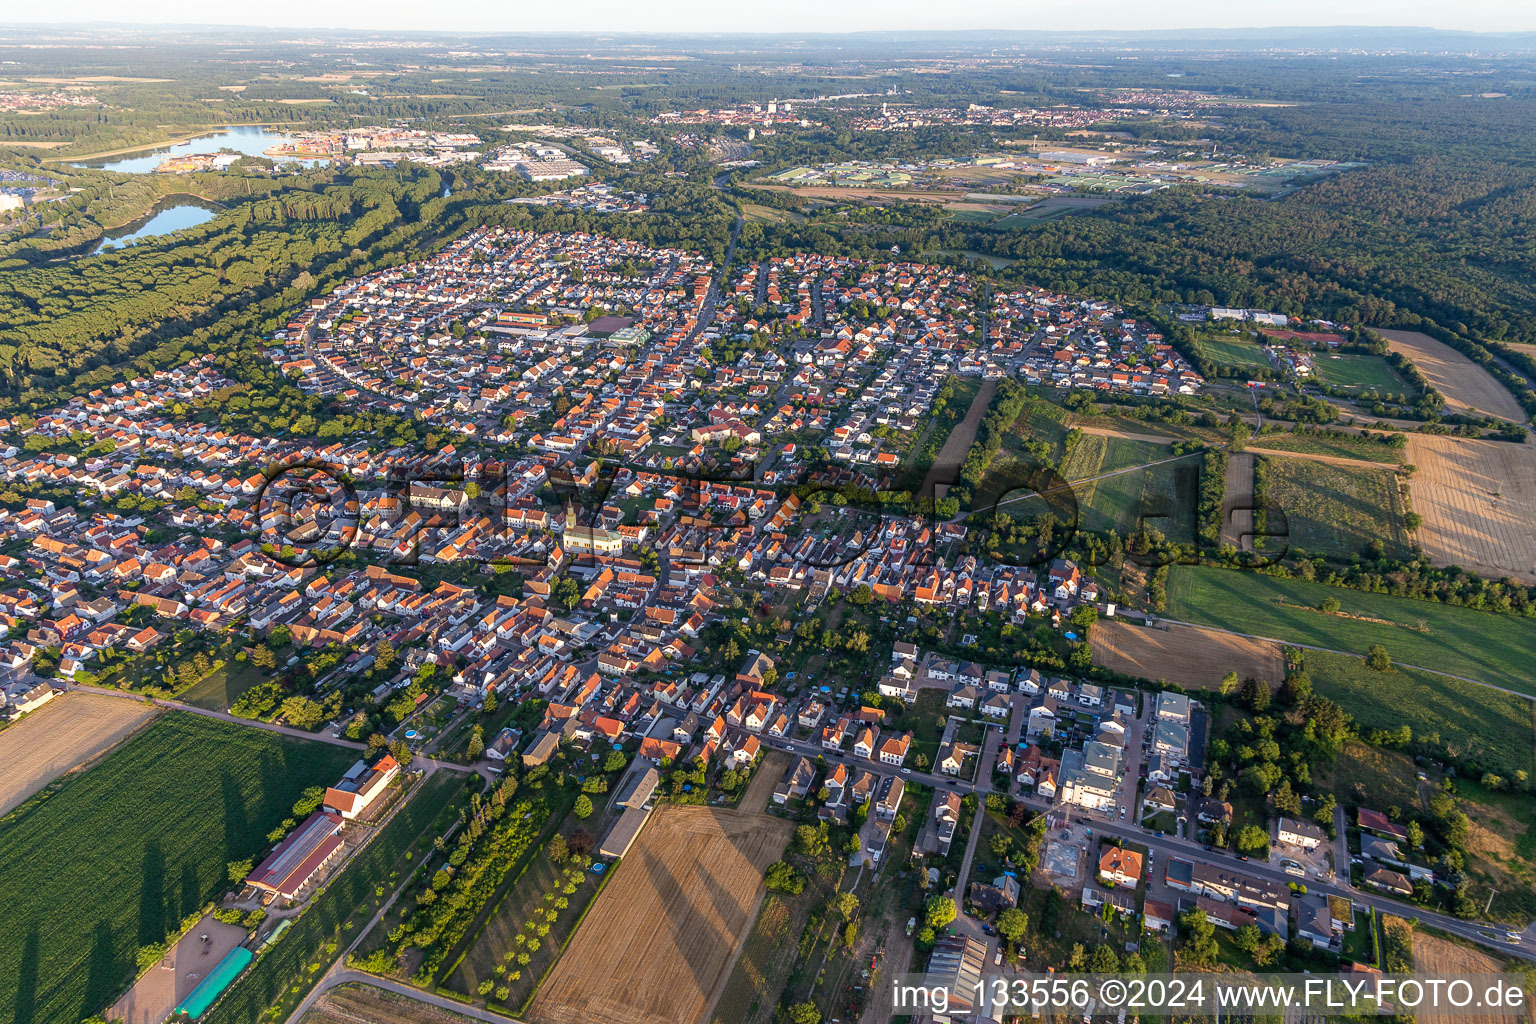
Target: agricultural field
1186,655
1434,955
1467,387
149,832
1237,353
658,945
349,1004
522,903
1339,446
751,993
1163,493
1363,372
67,732
1468,721
1479,645
1335,510
1478,500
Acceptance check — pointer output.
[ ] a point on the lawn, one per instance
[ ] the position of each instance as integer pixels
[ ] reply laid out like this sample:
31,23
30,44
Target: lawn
1235,353
123,853
1341,445
223,685
1470,722
1480,645
1335,510
1360,371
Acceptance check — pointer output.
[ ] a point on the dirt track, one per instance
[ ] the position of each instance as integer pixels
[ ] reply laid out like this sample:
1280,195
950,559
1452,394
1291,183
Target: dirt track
1187,655
1237,504
1467,387
658,945
63,734
1478,500
946,465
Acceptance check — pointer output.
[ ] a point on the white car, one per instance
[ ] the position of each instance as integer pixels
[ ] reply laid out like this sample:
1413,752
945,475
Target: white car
906,771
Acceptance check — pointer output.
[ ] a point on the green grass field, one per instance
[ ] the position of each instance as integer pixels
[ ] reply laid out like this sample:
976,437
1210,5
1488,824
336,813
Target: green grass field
1466,720
1116,502
1359,371
124,852
1480,645
1235,352
1386,777
1344,446
1337,510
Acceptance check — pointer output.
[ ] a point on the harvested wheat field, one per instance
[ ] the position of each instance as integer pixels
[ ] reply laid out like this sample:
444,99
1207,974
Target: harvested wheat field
1466,386
62,735
1436,956
1478,500
658,945
1187,655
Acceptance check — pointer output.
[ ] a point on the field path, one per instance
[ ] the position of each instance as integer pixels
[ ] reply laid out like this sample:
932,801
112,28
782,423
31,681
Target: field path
1467,387
71,730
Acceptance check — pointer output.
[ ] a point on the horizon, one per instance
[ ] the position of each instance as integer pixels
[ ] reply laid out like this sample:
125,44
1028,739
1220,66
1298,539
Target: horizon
694,18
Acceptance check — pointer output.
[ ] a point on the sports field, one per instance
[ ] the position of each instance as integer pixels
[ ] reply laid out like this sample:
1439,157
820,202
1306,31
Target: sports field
1463,641
1466,720
657,946
1336,510
1234,352
126,850
1362,372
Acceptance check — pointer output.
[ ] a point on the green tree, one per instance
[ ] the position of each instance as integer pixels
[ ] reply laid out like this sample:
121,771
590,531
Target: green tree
938,911
583,806
804,1013
1012,923
1376,657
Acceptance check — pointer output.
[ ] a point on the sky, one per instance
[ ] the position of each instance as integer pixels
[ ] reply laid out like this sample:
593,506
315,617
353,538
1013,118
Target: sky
797,16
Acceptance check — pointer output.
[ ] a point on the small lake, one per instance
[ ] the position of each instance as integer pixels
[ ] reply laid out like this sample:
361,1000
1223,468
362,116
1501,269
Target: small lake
176,213
251,140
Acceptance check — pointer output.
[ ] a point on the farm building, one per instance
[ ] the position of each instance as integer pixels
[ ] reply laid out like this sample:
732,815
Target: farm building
360,787
313,845
622,835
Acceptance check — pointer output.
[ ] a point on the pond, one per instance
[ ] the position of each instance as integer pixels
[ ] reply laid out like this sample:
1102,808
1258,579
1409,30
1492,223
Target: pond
251,140
175,213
